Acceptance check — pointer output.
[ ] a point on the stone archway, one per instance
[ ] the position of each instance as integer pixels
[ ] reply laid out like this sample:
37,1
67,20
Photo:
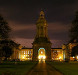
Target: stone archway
41,54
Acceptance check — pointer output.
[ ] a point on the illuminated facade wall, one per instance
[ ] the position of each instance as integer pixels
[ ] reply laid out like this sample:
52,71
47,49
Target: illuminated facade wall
67,49
57,54
25,54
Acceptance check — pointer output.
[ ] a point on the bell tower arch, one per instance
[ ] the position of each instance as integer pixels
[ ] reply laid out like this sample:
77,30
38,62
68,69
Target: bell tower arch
41,39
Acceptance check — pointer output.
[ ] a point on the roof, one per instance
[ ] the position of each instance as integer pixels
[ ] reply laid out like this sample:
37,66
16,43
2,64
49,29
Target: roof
32,48
26,48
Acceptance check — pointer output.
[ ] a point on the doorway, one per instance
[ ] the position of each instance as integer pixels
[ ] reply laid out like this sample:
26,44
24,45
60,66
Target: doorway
41,54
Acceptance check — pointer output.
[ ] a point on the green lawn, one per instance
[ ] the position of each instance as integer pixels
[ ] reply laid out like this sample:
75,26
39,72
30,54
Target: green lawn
70,68
20,68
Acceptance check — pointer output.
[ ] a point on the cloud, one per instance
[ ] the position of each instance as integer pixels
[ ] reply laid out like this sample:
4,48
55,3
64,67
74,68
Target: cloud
24,34
17,26
58,31
58,26
22,31
24,12
22,17
28,42
24,42
55,30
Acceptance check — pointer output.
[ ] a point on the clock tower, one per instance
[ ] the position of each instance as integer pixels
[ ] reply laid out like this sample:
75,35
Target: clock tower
41,43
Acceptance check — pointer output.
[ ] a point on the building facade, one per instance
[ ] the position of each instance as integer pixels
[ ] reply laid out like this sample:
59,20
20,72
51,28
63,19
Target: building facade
27,54
41,46
57,54
67,49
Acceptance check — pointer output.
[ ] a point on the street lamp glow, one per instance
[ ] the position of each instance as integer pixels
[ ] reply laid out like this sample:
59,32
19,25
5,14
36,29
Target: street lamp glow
44,57
73,57
41,57
77,57
60,57
22,57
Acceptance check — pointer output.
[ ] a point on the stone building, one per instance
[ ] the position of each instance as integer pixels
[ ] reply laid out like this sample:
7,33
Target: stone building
67,49
41,46
41,42
41,49
57,54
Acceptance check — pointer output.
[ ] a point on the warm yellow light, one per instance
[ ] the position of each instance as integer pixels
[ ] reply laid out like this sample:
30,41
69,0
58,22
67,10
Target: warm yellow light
22,57
60,57
44,57
73,57
77,57
38,57
41,57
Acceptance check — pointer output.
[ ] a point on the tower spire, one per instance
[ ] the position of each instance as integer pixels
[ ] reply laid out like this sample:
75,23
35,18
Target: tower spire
41,26
42,14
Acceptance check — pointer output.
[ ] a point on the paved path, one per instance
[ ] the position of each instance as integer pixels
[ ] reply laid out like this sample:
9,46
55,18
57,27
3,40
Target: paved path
43,69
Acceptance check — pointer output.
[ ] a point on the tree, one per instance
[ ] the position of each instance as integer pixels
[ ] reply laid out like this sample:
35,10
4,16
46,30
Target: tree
6,45
4,33
74,29
8,48
74,51
7,51
4,28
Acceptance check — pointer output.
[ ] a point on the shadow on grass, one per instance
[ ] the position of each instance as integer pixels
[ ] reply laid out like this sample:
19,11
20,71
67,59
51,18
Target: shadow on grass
20,68
8,73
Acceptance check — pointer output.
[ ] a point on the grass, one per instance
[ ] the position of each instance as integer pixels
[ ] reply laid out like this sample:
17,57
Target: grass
70,68
19,68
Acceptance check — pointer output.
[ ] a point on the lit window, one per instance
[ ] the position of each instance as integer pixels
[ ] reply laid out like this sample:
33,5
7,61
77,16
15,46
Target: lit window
28,52
22,57
24,52
60,57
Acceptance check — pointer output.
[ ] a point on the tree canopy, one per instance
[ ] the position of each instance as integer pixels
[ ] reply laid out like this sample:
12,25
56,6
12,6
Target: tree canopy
74,51
4,28
74,29
6,45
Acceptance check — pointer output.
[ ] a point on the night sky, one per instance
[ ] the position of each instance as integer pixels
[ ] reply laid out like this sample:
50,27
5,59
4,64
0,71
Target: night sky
23,14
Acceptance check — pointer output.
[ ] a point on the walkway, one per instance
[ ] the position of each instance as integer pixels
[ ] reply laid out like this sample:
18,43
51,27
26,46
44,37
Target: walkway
43,69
